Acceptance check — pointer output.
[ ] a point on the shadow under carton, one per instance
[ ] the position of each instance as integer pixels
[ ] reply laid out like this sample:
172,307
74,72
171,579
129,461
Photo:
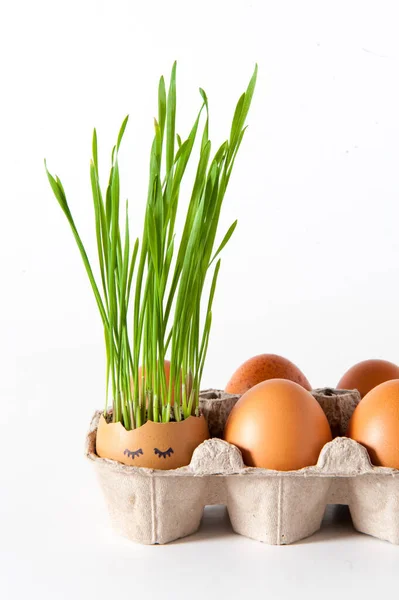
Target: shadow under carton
276,507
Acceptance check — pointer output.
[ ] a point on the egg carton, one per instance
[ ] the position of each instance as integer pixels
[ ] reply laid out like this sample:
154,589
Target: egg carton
276,507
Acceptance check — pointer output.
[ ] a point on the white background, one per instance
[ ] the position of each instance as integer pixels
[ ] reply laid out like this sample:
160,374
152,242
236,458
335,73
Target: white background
311,272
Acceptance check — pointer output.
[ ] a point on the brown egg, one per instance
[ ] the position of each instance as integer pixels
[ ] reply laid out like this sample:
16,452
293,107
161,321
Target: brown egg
189,380
167,375
366,375
278,425
262,367
375,424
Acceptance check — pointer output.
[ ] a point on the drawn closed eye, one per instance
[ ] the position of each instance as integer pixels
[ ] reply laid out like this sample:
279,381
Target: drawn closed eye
133,453
161,454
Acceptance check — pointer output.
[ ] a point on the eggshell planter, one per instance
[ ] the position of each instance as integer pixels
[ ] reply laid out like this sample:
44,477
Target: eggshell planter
154,506
153,445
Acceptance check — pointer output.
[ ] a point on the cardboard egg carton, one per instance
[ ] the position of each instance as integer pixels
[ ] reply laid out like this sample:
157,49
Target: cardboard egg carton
275,507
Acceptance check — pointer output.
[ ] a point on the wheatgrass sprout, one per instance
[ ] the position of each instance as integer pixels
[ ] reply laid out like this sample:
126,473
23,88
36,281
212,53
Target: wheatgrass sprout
166,279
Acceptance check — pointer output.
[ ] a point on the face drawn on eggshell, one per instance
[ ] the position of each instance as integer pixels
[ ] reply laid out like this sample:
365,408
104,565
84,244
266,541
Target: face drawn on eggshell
163,454
134,453
153,445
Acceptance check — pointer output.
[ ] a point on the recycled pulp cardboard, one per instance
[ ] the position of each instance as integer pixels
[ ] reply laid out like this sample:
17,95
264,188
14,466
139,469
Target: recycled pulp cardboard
276,507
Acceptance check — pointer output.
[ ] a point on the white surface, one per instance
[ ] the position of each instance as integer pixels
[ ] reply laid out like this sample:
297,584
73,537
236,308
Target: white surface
311,273
89,561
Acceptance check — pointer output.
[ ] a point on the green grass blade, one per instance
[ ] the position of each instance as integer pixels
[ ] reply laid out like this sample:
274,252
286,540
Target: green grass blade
225,240
121,132
97,215
205,135
162,105
131,269
171,120
60,195
94,149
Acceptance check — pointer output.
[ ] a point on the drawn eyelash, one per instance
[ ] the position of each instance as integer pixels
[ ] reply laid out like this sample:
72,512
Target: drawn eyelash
161,454
133,453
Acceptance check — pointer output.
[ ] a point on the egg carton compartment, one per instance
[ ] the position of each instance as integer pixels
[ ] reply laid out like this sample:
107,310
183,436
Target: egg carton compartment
276,507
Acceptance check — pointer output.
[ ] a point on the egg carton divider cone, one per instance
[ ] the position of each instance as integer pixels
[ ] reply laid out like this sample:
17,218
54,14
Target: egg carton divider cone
276,507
